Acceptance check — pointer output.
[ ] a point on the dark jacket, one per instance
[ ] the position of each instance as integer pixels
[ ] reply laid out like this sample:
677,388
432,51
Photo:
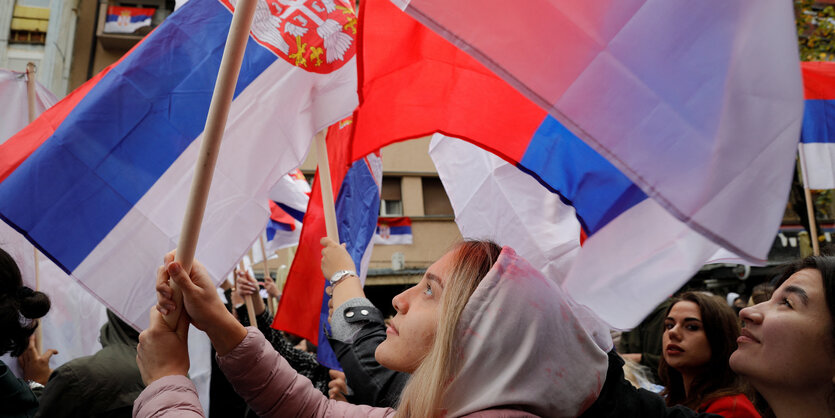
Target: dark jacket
646,338
371,383
619,399
102,385
16,398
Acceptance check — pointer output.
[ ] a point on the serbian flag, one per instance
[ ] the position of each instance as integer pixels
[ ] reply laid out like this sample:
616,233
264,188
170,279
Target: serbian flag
393,231
282,230
303,310
13,93
127,19
606,114
292,194
99,182
817,139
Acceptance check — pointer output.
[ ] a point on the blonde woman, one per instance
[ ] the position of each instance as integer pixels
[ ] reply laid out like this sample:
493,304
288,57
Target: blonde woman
483,334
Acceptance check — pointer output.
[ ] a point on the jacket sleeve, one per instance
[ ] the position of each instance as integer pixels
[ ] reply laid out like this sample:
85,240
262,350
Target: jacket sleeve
61,394
272,388
170,396
371,383
301,361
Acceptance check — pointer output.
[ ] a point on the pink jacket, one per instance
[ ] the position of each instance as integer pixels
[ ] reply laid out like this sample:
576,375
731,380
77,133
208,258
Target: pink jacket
269,385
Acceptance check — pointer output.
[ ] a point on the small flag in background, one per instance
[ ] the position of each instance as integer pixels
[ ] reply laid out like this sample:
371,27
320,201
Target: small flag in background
393,231
127,19
292,193
282,230
817,139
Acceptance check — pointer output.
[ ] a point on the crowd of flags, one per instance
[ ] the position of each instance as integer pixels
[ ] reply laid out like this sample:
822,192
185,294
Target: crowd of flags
551,123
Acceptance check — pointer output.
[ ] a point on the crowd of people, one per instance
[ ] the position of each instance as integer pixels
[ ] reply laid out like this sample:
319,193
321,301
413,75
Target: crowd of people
482,334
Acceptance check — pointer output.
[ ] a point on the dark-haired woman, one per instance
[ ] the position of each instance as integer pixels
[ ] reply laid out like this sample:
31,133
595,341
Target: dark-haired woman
787,346
700,333
19,306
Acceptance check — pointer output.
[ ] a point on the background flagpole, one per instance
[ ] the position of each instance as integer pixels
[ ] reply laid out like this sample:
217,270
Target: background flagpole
30,93
227,78
266,272
810,209
250,309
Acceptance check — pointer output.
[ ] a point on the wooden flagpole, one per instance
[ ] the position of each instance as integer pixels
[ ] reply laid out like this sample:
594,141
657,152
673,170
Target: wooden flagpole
266,271
810,209
30,93
227,78
326,187
250,309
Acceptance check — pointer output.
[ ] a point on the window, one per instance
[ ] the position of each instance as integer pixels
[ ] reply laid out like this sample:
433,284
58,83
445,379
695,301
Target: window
391,200
435,200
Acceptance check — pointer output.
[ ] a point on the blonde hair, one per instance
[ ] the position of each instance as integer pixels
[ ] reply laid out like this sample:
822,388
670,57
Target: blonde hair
423,396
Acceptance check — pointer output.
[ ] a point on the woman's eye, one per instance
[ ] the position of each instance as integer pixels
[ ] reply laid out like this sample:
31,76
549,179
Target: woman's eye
692,327
428,291
786,302
668,326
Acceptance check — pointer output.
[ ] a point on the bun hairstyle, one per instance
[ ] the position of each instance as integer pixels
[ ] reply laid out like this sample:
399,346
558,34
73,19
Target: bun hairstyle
19,305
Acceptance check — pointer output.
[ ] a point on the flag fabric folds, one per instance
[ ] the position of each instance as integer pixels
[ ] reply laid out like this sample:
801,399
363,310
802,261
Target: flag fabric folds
303,310
104,175
651,245
13,94
817,138
704,121
393,231
494,200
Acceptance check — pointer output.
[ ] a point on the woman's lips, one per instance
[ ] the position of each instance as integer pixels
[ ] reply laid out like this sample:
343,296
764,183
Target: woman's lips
673,350
746,337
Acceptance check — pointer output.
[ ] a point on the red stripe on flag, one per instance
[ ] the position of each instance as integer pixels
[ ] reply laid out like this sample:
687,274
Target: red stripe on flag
817,80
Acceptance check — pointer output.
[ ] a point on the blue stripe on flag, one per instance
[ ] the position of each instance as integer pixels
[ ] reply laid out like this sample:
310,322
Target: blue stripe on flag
563,163
133,19
296,214
818,122
400,230
124,134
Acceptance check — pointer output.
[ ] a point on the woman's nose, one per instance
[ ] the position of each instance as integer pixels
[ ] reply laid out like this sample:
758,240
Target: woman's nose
399,302
752,314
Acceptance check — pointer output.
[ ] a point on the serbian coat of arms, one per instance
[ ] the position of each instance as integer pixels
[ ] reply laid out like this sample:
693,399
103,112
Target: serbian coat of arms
316,35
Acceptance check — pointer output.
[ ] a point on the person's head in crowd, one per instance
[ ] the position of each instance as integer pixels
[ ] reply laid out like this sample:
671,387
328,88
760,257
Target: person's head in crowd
761,293
19,307
700,333
787,347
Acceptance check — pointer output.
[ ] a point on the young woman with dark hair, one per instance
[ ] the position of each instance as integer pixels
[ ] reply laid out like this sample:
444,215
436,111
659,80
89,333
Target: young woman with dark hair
700,333
19,307
787,346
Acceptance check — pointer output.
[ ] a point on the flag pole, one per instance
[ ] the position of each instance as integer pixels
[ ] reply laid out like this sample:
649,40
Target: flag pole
30,94
250,309
810,209
266,271
227,78
327,187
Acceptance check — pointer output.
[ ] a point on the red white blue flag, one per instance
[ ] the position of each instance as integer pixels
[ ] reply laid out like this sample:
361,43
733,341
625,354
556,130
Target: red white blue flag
817,139
665,146
99,182
393,231
303,310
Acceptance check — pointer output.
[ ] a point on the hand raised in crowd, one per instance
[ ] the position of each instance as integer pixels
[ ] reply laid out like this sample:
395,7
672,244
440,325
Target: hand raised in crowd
163,351
335,257
246,286
200,302
338,386
271,287
36,365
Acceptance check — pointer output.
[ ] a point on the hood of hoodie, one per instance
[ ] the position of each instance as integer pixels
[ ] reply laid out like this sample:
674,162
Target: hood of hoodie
525,345
116,331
